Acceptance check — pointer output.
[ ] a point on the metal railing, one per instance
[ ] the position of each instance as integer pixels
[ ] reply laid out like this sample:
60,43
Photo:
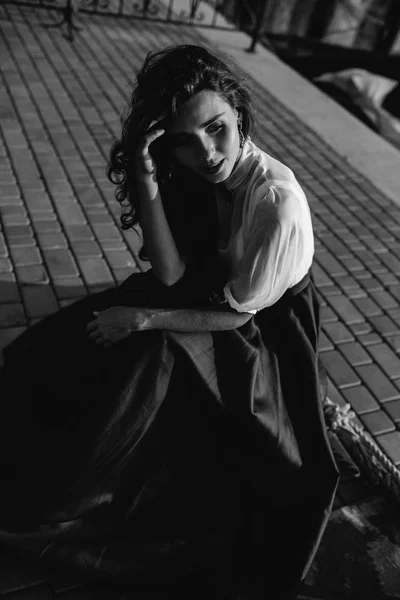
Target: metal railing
256,17
202,13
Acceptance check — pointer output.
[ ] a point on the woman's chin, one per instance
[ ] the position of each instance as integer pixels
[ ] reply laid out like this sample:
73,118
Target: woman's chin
219,177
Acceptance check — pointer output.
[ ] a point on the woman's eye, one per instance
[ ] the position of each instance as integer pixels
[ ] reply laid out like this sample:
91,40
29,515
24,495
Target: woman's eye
216,128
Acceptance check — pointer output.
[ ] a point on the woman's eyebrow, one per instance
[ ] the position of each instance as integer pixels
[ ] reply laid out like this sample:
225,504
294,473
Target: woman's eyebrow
212,120
177,133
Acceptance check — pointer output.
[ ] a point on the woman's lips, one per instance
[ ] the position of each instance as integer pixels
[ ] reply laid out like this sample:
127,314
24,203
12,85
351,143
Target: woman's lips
215,168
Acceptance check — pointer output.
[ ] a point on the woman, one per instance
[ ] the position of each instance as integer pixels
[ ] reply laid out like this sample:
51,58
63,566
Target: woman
174,427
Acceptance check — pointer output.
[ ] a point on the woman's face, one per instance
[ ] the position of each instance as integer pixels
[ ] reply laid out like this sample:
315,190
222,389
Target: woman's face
205,136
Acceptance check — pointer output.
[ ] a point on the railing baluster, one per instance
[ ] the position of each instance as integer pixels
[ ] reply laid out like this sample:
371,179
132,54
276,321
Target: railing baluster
170,10
261,14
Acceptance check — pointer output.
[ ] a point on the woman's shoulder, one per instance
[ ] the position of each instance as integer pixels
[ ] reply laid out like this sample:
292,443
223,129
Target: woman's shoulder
273,187
269,171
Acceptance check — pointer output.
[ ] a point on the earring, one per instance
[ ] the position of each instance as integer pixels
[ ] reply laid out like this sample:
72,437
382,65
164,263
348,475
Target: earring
171,169
241,134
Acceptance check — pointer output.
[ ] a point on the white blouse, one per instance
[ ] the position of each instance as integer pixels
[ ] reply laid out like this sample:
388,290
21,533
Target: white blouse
271,243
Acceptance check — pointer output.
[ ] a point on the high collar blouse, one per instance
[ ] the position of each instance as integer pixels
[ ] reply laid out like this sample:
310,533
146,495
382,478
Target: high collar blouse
271,243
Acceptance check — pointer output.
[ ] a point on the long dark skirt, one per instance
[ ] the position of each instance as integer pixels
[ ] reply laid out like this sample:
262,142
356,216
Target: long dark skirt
169,459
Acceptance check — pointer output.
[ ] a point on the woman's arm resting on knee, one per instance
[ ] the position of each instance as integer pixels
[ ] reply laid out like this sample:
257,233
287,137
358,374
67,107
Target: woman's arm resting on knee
116,323
195,320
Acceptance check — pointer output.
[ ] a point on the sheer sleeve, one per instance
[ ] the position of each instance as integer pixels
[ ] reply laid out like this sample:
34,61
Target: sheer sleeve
278,252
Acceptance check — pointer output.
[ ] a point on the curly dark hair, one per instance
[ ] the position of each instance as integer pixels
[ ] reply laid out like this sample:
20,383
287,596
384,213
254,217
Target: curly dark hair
167,79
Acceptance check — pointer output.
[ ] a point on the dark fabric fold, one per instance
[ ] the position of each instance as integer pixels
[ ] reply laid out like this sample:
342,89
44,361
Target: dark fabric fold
169,457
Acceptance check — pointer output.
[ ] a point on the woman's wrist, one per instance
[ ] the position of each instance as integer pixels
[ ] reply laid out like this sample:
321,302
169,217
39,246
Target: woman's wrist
147,180
140,319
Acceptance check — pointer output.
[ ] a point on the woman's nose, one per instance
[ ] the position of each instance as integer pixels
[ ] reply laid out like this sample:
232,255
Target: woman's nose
206,150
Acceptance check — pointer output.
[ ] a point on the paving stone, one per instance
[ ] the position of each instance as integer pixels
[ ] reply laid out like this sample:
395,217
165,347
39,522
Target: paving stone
383,299
384,325
367,307
373,286
332,290
360,399
5,265
388,360
14,215
331,265
324,342
20,242
38,202
369,338
393,410
106,232
9,292
338,332
327,315
352,264
71,287
394,314
387,279
95,271
12,314
395,292
339,370
377,422
8,192
3,247
378,383
89,196
390,443
391,262
71,214
79,232
355,354
26,255
34,274
100,218
46,223
60,263
394,342
120,259
362,328
346,310
86,248
51,240
39,300
113,244
18,231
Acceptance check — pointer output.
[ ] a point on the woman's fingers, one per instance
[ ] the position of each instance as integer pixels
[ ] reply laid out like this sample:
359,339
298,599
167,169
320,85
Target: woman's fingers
92,325
148,139
158,120
95,335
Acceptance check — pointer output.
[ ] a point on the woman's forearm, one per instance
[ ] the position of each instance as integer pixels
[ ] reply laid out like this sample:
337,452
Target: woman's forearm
161,249
195,320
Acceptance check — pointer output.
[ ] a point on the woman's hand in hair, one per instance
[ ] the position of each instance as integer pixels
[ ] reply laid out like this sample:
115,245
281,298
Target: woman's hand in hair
117,323
145,163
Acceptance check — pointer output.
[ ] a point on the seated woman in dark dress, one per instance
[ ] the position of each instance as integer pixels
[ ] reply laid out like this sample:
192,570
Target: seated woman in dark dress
168,434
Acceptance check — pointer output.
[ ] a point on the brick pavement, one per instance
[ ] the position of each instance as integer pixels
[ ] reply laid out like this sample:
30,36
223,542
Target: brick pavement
59,234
